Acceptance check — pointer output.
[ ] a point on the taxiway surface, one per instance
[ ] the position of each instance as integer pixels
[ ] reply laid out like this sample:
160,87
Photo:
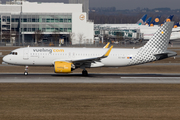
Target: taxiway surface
92,78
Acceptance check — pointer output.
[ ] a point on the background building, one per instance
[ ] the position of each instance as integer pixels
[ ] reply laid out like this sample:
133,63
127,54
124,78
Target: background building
36,23
85,6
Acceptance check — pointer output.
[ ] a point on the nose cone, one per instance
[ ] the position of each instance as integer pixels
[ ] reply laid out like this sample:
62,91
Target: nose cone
5,59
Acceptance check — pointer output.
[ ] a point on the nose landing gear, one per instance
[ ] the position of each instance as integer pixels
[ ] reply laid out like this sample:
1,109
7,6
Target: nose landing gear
26,71
85,73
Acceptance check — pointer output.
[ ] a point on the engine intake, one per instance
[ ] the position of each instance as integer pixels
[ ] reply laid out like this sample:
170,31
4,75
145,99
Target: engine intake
63,67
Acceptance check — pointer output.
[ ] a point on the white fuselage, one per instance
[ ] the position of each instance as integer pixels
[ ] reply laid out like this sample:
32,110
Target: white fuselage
46,56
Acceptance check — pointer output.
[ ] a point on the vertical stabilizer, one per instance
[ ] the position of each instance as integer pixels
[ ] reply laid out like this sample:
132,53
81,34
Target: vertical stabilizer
148,21
142,20
168,19
156,45
177,25
155,21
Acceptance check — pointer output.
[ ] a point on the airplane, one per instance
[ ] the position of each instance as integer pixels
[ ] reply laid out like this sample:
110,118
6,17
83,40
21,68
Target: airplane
65,60
147,30
155,21
169,19
139,23
148,21
176,25
142,20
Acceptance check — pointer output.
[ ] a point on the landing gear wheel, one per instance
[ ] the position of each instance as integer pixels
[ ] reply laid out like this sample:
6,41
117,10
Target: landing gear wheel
25,73
84,73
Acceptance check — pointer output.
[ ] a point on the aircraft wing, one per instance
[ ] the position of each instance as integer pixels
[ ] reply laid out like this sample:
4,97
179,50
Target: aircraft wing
88,60
79,62
93,59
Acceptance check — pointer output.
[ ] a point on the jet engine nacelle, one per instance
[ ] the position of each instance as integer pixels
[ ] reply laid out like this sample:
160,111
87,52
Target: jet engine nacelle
63,67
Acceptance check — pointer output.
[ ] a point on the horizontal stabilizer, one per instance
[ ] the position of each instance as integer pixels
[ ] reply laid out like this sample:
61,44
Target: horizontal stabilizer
164,55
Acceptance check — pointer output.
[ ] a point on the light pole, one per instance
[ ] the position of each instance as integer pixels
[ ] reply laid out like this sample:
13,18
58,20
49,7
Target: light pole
20,24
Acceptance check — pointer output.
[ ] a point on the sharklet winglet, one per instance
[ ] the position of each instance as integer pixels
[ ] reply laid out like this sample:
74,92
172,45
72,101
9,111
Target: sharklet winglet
107,45
108,52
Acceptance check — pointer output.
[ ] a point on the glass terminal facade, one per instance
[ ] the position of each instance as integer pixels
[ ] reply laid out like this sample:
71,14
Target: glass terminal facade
26,24
46,22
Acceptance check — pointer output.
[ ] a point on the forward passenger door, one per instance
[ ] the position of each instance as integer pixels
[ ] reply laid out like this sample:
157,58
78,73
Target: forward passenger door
26,54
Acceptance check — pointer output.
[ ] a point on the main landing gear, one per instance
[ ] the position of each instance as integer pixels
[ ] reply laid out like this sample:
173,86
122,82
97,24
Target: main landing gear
85,73
26,71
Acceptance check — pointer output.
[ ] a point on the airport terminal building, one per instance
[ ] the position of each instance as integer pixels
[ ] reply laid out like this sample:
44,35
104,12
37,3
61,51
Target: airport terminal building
31,22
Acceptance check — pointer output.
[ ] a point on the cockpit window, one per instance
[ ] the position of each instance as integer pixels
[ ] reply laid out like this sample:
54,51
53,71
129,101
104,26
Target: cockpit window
13,53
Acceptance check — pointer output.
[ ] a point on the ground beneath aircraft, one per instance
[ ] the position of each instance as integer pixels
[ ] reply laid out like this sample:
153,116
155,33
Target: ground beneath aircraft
89,101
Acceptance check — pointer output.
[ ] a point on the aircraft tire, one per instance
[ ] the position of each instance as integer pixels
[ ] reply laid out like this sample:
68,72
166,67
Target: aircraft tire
26,73
84,73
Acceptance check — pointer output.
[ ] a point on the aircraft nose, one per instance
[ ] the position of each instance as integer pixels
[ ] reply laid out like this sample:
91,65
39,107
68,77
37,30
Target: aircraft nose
5,58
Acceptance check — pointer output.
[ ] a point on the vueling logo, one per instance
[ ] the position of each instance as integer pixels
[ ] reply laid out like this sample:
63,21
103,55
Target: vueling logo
58,50
48,50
